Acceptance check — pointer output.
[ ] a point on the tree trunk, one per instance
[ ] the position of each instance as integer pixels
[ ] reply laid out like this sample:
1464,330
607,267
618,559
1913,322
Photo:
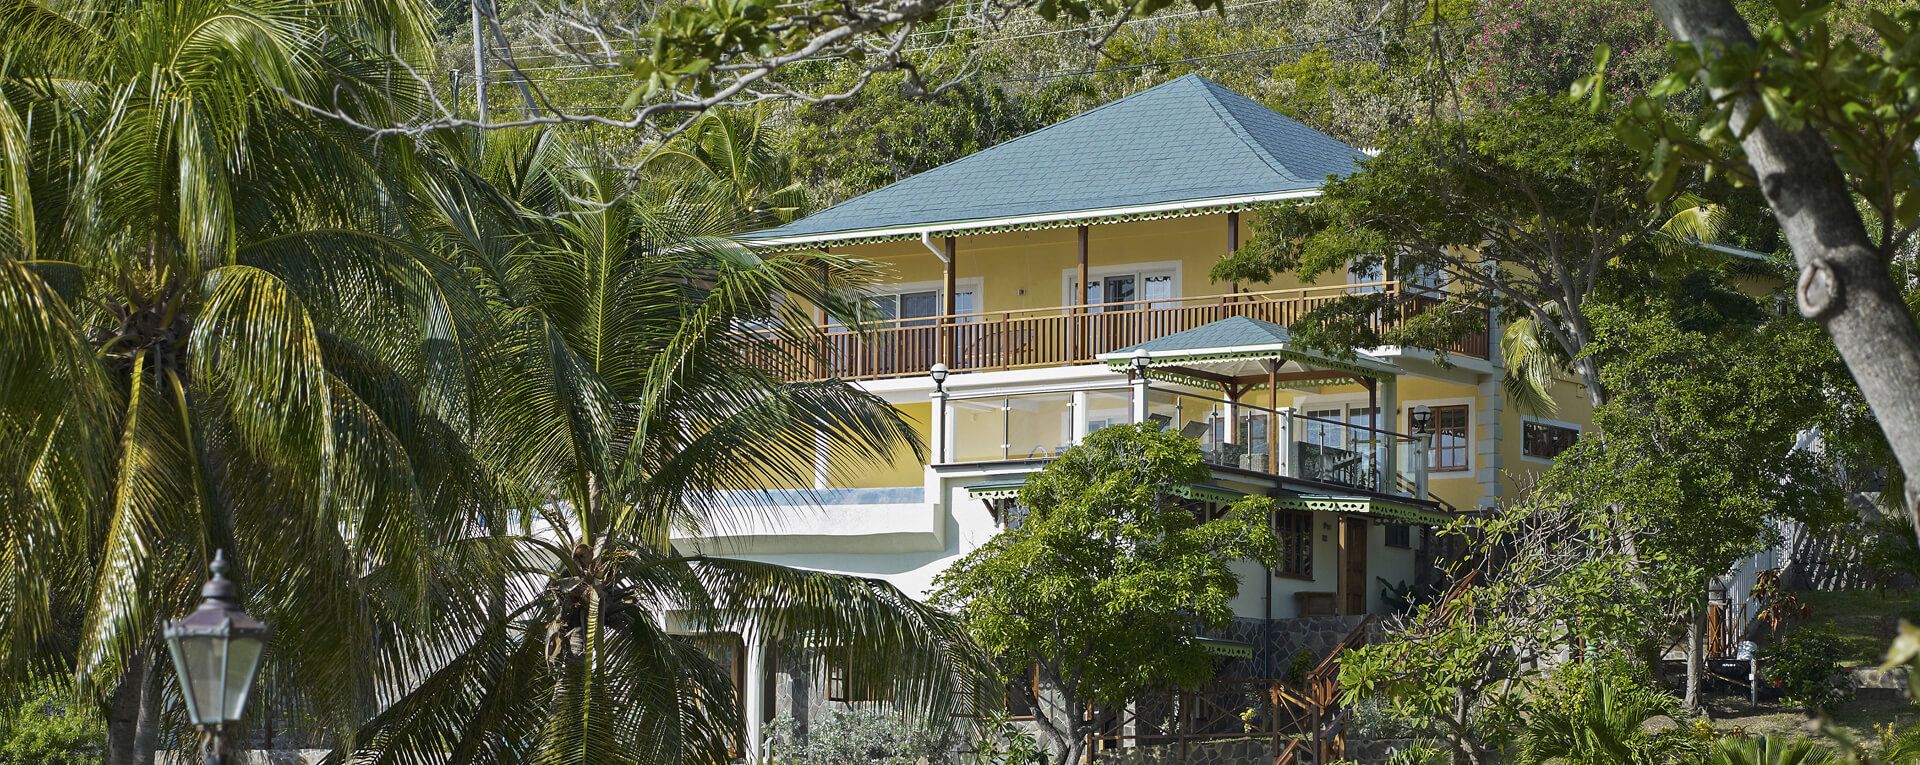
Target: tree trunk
1844,283
132,715
1697,648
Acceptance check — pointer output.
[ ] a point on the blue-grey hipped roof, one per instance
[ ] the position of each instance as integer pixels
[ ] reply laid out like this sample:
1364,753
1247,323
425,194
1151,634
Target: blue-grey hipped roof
1238,346
1186,140
1230,332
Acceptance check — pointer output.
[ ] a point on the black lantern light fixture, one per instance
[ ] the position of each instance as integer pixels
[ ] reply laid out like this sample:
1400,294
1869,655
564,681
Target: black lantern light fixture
1142,360
216,652
939,374
1421,417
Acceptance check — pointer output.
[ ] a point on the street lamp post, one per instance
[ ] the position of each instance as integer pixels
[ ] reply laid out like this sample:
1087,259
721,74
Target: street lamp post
216,653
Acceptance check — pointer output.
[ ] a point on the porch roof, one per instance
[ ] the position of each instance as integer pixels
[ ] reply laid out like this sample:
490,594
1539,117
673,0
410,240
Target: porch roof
1185,147
1379,508
1242,351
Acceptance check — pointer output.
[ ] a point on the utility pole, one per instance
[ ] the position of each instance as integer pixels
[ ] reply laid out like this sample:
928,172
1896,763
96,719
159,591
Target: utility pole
479,62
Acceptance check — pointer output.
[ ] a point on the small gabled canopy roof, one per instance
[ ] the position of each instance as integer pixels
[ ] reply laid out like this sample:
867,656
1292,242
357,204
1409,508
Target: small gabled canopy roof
1238,350
1181,147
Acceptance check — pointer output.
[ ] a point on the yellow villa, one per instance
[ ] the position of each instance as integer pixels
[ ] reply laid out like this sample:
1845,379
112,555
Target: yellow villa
1058,283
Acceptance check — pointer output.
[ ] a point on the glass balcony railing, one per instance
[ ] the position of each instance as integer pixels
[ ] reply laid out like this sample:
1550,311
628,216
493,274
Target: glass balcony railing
1280,442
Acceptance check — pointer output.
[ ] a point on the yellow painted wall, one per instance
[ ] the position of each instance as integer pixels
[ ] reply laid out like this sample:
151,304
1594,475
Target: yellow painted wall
1571,406
1024,269
902,469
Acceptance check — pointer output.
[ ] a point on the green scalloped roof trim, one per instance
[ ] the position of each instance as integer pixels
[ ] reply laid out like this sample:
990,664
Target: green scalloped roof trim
1367,506
1176,358
1012,227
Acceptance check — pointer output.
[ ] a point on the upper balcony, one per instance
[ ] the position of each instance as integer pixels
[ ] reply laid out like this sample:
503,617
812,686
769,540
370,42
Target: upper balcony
1060,335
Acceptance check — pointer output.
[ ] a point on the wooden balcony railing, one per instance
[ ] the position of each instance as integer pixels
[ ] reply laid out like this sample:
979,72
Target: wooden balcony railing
1057,336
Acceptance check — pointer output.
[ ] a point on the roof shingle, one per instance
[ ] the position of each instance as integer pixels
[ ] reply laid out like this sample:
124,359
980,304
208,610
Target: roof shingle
1187,139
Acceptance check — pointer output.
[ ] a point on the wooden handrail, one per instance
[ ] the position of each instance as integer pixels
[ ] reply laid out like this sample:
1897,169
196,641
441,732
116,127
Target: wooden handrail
1293,293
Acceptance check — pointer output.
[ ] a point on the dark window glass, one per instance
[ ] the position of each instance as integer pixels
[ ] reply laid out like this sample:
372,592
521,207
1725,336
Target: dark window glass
1539,439
1399,535
1295,530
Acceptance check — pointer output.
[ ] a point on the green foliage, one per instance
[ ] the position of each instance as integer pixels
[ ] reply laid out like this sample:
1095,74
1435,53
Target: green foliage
1891,547
1534,47
1003,742
857,736
1804,665
1810,70
1300,664
1536,209
841,149
1108,581
52,727
1701,462
1768,750
1595,713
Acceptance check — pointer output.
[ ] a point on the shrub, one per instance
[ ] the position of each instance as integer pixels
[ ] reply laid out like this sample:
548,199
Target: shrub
52,728
1595,713
1803,665
1302,663
848,736
1004,743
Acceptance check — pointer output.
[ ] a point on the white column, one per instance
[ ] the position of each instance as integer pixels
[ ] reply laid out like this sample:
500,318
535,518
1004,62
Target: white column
1421,443
1282,437
1232,412
754,695
1079,416
939,444
1139,398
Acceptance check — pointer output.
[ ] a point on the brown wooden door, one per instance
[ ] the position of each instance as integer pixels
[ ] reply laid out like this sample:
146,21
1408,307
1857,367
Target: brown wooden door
1353,566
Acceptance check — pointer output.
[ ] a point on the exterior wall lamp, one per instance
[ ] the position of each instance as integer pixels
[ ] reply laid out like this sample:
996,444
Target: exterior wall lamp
216,653
1421,418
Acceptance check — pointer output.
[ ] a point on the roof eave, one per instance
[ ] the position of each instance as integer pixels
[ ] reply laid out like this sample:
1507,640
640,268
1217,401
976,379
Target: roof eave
1031,221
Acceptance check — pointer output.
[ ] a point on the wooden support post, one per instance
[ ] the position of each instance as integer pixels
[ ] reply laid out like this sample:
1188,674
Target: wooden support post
1233,246
1076,327
948,344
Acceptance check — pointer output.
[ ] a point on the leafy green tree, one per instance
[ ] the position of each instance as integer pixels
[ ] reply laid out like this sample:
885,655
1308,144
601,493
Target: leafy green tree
53,727
1105,585
1823,123
1536,210
1703,462
626,401
213,342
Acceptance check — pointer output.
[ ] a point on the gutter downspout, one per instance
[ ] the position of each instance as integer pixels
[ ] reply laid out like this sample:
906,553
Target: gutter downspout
926,240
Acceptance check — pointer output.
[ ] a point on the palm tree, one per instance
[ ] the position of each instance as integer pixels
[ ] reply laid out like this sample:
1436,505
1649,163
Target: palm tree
210,344
628,399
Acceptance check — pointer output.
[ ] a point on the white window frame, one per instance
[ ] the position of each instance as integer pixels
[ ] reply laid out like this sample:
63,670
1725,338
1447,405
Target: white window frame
1346,402
971,284
1472,433
1522,436
1140,271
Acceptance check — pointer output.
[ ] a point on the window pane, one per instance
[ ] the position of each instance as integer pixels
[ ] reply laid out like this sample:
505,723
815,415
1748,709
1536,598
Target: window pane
919,305
1539,439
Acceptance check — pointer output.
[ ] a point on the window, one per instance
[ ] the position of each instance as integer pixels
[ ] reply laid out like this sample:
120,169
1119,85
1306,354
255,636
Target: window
1118,286
1022,688
1295,530
1544,440
860,688
1399,535
1449,450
